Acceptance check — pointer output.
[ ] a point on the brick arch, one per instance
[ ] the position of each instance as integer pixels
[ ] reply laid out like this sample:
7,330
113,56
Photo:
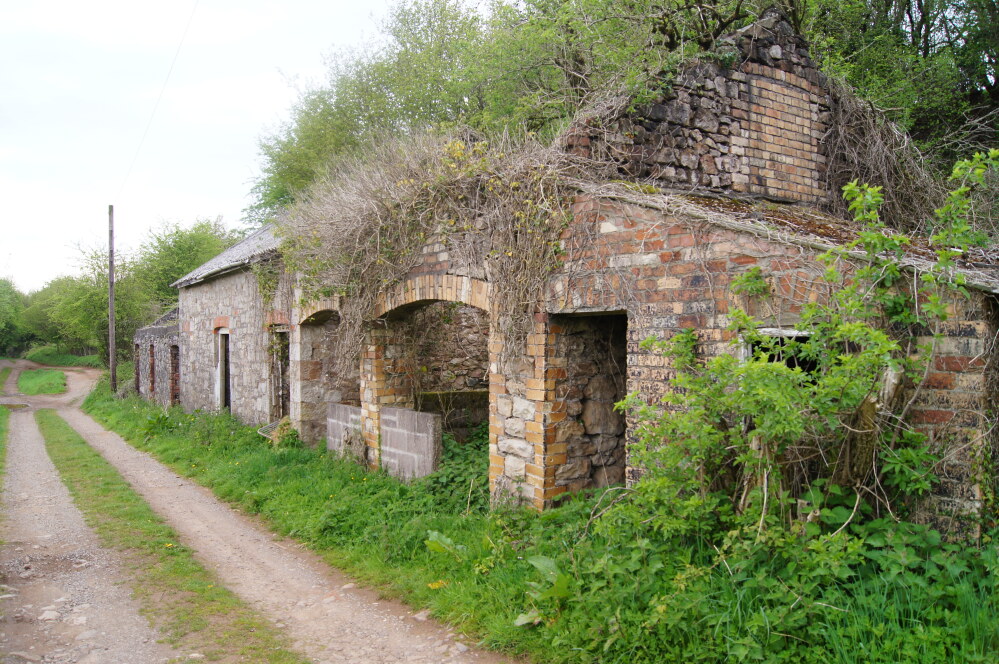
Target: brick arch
446,287
313,388
307,310
377,391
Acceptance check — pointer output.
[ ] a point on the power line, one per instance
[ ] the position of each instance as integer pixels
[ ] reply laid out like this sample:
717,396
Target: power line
135,157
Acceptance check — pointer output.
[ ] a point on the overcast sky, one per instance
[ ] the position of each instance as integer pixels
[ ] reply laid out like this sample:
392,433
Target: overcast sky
78,85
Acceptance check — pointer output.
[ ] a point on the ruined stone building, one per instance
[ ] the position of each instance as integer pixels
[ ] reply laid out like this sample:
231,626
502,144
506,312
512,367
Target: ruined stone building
156,355
234,342
720,143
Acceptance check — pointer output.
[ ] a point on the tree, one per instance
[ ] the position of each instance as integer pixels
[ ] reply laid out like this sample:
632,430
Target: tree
172,251
11,306
932,64
37,317
81,308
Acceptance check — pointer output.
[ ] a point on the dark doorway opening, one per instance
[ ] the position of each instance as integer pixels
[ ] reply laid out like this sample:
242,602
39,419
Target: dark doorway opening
174,375
280,385
225,391
595,351
152,371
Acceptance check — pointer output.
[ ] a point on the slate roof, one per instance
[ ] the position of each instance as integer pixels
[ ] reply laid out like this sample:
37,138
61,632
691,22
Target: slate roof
257,245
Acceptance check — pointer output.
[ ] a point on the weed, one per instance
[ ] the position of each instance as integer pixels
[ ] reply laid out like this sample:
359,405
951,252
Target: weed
564,586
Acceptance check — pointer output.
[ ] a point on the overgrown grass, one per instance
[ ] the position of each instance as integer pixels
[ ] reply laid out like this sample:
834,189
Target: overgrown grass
4,373
612,589
4,424
53,357
41,381
184,600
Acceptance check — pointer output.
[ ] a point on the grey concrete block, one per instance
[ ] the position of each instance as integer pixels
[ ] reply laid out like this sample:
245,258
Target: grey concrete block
410,442
343,430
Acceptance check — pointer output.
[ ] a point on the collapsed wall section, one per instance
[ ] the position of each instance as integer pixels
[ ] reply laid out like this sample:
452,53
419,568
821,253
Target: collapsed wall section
754,127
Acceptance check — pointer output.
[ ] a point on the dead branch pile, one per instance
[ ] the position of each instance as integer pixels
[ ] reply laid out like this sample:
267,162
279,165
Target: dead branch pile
863,145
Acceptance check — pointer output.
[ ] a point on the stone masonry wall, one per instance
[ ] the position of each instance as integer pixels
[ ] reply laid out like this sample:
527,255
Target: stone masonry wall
595,349
152,359
160,337
753,129
230,302
314,384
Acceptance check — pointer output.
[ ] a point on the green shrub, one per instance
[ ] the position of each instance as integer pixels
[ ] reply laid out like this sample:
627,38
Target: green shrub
53,357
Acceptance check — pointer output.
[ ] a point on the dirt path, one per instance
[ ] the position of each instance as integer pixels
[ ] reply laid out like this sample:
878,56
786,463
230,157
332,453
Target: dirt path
63,598
328,618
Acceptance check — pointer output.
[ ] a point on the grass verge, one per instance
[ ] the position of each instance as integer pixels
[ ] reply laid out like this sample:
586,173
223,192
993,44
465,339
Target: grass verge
591,581
180,597
53,357
4,424
4,373
41,381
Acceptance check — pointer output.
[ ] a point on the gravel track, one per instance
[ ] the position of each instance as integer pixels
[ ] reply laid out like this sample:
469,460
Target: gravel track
63,597
326,615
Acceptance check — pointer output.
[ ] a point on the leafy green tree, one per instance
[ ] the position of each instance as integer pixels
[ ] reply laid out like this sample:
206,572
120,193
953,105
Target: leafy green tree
931,64
419,76
11,306
81,308
37,316
172,251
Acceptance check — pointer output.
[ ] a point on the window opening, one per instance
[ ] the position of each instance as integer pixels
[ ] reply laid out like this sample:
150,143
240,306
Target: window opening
280,361
137,378
785,347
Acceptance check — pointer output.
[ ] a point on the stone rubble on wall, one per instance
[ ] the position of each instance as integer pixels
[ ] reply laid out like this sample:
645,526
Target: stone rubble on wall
595,349
754,129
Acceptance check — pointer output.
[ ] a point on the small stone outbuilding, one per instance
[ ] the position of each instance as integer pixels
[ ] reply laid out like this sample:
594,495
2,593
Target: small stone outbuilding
156,355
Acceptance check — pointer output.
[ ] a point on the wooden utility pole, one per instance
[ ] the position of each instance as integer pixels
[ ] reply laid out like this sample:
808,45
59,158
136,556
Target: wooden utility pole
112,355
